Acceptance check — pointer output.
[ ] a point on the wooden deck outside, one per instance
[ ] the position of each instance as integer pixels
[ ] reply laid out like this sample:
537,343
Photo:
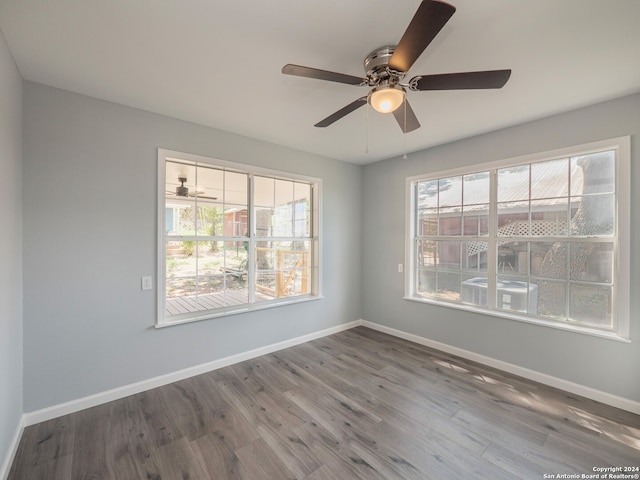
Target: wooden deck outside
208,301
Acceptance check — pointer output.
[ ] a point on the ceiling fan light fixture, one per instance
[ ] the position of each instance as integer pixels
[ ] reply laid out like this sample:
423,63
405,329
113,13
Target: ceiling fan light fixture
386,99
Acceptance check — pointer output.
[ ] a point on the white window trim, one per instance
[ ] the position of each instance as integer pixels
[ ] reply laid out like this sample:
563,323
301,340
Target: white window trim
316,237
622,146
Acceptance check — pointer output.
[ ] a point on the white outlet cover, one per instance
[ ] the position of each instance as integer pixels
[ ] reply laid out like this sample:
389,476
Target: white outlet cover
147,283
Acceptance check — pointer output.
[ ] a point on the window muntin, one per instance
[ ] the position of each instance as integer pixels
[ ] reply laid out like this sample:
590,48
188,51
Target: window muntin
542,242
239,239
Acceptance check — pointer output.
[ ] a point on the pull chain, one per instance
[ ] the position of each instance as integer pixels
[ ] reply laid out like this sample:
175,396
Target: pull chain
404,157
366,147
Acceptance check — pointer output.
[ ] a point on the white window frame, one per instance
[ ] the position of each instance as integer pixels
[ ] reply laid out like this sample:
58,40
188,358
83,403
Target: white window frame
253,304
621,274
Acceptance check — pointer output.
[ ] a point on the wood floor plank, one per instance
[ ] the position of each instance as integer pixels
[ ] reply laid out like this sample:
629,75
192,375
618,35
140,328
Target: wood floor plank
216,458
47,442
58,469
91,437
175,460
335,454
259,462
322,473
357,405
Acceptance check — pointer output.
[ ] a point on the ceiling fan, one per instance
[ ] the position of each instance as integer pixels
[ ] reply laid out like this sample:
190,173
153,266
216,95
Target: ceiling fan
387,66
182,191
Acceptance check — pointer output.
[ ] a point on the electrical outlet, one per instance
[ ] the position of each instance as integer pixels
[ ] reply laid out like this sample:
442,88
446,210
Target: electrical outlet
147,283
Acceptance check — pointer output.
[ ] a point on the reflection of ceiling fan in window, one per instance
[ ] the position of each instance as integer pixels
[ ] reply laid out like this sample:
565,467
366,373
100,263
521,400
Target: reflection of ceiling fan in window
182,191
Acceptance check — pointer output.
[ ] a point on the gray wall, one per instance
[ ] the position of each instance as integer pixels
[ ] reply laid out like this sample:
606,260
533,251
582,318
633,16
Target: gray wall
10,248
90,233
606,365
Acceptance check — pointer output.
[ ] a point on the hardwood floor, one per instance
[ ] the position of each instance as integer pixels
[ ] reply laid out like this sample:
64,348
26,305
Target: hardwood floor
356,405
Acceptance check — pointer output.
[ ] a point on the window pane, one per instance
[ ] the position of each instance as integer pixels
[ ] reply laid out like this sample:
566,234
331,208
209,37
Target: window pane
549,260
449,286
427,193
450,221
175,171
450,191
235,188
209,219
592,262
180,293
595,215
426,253
476,188
210,182
552,299
283,221
264,221
210,292
513,219
513,183
180,218
475,220
207,259
590,304
236,222
449,255
291,270
550,179
428,221
549,217
474,255
598,171
301,216
180,259
474,290
516,294
265,262
511,257
264,191
302,210
426,283
284,192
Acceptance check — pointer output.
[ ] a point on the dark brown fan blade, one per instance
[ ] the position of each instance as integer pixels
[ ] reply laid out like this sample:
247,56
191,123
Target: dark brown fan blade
425,25
342,112
406,118
309,72
461,81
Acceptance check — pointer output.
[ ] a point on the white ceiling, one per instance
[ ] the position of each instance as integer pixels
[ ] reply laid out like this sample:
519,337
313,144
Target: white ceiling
218,63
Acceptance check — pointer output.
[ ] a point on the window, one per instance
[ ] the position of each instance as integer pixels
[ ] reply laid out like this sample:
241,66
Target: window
541,238
232,238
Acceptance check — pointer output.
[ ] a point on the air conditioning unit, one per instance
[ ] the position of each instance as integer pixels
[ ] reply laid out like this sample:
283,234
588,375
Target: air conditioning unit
511,294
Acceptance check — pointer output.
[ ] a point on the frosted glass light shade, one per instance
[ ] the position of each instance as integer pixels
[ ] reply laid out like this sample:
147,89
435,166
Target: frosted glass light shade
386,100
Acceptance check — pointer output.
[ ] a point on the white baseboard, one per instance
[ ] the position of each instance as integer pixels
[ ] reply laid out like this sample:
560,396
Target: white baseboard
13,449
584,391
72,406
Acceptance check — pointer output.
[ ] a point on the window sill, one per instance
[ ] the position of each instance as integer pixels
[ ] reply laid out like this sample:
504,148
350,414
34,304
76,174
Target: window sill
234,310
522,318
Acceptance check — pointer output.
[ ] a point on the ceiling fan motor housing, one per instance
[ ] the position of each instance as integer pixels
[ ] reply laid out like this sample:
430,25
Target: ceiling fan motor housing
376,64
378,60
182,191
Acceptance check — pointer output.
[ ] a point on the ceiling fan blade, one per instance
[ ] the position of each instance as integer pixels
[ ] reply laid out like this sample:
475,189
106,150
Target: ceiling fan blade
202,197
461,81
406,118
309,72
425,25
342,112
